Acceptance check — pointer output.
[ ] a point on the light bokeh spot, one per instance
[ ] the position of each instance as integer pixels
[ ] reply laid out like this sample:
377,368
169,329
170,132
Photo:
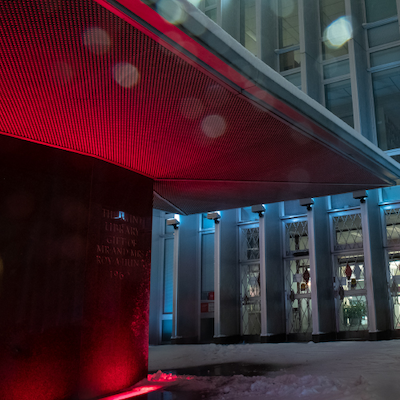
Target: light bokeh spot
97,40
213,126
171,10
126,75
338,33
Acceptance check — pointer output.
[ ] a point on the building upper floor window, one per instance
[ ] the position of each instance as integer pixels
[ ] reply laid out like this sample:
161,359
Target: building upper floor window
338,100
288,12
288,35
209,7
385,33
384,59
386,87
249,34
377,10
289,41
331,12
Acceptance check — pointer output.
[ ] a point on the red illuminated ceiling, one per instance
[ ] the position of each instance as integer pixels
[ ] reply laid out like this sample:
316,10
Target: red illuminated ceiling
75,75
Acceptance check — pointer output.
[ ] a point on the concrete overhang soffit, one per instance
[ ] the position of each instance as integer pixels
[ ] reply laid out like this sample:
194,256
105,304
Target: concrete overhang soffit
187,106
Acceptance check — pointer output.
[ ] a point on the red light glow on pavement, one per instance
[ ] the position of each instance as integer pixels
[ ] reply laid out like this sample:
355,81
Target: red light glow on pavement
137,391
161,377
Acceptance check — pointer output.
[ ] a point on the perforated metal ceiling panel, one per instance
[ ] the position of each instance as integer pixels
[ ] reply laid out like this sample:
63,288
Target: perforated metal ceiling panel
75,76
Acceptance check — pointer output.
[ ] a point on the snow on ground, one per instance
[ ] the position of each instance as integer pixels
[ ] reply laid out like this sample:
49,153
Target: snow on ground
322,371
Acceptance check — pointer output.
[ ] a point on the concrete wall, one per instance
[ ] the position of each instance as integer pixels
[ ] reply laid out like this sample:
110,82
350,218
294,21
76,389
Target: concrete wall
323,262
156,281
229,275
276,325
378,264
188,280
74,287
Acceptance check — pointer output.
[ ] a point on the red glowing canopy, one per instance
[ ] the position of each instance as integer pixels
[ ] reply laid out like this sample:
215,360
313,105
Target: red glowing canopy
117,82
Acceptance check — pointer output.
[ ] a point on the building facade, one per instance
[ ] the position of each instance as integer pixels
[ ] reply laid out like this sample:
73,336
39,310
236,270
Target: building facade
110,110
329,269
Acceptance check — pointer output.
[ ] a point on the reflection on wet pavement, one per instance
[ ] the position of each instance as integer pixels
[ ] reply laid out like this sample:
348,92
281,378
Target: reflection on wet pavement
167,395
229,369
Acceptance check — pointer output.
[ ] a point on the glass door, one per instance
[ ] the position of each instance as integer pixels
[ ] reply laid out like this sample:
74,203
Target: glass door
351,293
298,302
250,299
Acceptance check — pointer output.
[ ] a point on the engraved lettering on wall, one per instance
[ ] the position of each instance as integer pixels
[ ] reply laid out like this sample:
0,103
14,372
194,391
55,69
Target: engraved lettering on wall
117,248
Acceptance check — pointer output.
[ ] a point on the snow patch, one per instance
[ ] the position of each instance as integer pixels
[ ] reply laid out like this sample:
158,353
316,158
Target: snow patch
323,371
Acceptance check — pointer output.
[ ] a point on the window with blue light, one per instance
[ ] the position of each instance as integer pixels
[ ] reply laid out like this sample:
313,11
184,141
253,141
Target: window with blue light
168,274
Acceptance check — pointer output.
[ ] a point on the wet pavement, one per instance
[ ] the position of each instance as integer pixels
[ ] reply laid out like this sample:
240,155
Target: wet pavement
223,369
228,369
167,395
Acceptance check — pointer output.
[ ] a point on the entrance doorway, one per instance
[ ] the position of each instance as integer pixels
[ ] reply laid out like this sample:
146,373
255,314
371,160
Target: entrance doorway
250,299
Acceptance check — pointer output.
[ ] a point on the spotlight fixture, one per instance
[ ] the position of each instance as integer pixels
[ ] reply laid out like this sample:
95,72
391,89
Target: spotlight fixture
174,222
259,209
308,202
215,215
360,195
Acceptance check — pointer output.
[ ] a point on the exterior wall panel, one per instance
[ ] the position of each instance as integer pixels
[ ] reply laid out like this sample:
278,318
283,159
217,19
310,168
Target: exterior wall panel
75,249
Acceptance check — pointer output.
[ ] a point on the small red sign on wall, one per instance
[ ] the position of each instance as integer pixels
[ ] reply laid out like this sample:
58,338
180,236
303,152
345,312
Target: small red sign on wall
204,307
210,295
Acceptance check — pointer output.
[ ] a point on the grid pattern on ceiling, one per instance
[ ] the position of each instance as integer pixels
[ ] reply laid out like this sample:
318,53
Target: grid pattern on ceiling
76,76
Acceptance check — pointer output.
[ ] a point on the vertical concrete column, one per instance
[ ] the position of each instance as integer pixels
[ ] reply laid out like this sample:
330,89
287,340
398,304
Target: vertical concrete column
310,49
361,86
379,320
230,18
217,278
75,251
321,275
274,274
369,283
313,270
175,281
267,31
263,281
398,11
228,278
188,307
156,279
